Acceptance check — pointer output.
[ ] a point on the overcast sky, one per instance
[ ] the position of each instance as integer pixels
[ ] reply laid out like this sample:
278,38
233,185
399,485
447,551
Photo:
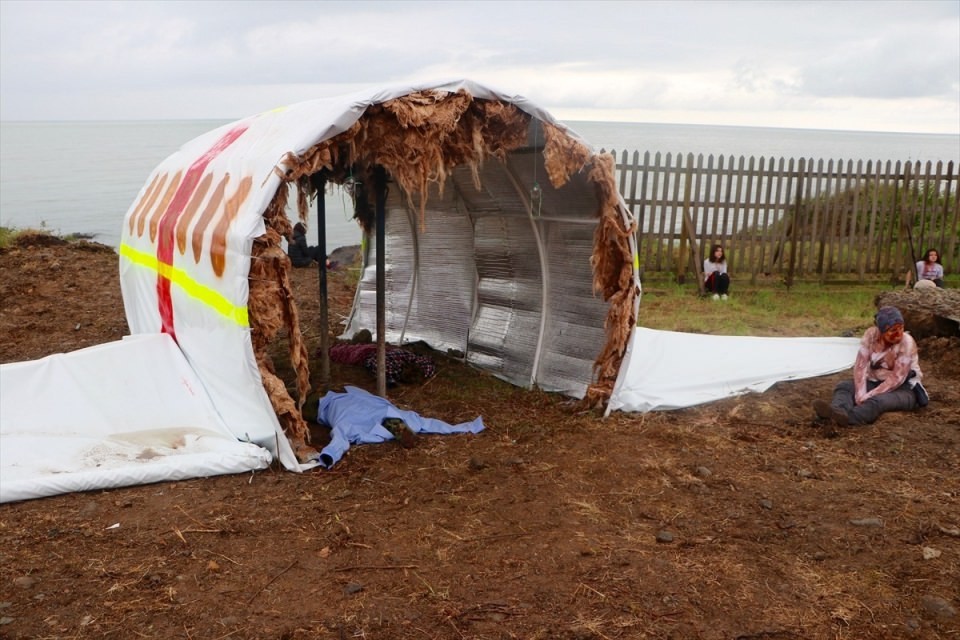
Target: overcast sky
875,66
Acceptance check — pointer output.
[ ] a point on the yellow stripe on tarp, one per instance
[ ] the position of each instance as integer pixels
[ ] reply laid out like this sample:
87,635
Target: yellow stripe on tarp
210,297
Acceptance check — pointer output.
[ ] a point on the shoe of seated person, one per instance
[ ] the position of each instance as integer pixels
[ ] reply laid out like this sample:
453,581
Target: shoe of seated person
827,411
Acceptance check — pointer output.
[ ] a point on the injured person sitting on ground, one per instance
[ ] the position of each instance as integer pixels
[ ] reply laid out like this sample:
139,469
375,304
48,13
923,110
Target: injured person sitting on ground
886,376
402,365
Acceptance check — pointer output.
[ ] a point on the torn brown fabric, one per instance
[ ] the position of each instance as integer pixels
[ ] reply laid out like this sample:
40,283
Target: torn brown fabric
419,139
271,308
612,263
562,155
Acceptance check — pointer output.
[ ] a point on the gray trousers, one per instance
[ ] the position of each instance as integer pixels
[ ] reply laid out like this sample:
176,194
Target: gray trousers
900,399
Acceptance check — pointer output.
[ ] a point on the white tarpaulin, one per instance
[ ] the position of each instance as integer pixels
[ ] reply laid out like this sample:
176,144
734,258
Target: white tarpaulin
186,243
671,370
87,420
118,414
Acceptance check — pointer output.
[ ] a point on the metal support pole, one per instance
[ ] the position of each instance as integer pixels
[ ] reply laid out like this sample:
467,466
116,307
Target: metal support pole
380,189
320,182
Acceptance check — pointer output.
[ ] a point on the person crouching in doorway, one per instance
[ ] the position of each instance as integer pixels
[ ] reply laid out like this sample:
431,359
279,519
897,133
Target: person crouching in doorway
300,253
716,280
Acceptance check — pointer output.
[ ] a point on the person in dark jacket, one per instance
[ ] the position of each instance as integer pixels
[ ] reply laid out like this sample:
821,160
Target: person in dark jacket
301,254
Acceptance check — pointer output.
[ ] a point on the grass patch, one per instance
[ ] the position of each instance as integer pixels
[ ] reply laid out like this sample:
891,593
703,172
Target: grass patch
7,235
806,309
10,236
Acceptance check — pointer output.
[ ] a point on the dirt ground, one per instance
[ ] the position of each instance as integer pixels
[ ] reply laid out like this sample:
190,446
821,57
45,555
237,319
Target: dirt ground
741,519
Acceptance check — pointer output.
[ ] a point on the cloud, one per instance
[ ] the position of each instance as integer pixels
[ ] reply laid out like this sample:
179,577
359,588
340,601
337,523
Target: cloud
719,62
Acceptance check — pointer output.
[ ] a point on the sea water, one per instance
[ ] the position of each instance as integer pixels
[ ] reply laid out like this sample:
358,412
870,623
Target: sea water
82,177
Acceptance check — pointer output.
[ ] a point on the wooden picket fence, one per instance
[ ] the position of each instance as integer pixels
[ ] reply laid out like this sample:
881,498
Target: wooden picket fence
795,219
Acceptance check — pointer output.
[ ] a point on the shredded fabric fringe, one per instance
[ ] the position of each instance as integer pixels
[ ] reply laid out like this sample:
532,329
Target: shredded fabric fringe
419,139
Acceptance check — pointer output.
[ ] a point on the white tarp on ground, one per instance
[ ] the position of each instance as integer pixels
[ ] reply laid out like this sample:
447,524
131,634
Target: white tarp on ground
671,370
123,413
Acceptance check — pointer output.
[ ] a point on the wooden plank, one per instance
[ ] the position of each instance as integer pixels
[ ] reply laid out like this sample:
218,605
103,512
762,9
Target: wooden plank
896,244
848,220
750,220
934,178
735,262
907,212
825,210
921,209
873,247
718,189
687,229
639,210
778,213
950,241
889,191
698,212
707,207
656,220
832,212
811,213
798,222
860,218
819,229
725,226
691,232
644,195
673,263
781,255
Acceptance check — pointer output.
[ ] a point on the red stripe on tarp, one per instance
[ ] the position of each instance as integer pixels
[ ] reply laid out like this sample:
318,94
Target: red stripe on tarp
165,234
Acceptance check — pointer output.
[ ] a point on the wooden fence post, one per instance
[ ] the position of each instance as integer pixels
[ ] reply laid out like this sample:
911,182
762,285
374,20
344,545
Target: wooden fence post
796,223
687,232
906,224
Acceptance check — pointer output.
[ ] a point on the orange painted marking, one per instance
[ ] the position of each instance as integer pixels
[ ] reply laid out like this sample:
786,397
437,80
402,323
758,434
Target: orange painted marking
162,207
184,222
209,211
146,201
218,244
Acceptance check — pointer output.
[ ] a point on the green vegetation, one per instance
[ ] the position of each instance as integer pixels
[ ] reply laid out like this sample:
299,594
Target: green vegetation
7,234
11,235
769,309
851,209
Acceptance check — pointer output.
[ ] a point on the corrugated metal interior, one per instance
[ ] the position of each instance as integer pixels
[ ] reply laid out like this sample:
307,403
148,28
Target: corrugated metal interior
501,275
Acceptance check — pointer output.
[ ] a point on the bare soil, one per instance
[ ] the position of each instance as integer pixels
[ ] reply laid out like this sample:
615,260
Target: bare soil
739,519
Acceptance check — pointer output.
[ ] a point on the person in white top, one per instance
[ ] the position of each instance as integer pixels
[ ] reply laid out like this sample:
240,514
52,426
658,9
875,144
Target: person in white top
929,270
715,275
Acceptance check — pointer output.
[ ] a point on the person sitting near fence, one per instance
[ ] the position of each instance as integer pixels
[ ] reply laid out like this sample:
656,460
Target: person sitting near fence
929,270
715,275
300,253
886,376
